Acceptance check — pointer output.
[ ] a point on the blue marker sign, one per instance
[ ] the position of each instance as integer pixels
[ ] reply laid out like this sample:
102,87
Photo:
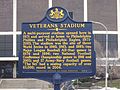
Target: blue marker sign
57,48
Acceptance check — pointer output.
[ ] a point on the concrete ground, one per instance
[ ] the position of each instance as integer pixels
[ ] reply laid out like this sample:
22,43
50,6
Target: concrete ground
24,84
32,84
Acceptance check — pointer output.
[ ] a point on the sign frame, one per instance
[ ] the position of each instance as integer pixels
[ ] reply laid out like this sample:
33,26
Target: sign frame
55,77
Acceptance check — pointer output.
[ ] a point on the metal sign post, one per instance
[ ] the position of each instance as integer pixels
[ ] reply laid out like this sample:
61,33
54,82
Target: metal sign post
56,81
57,49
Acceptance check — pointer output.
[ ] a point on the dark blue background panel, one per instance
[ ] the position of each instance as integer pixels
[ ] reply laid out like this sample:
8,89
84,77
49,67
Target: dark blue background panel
57,48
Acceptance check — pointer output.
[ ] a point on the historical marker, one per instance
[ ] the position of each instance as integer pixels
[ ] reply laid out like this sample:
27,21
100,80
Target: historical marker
57,49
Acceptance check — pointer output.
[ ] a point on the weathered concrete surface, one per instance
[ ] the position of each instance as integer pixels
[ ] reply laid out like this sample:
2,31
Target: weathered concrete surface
24,84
